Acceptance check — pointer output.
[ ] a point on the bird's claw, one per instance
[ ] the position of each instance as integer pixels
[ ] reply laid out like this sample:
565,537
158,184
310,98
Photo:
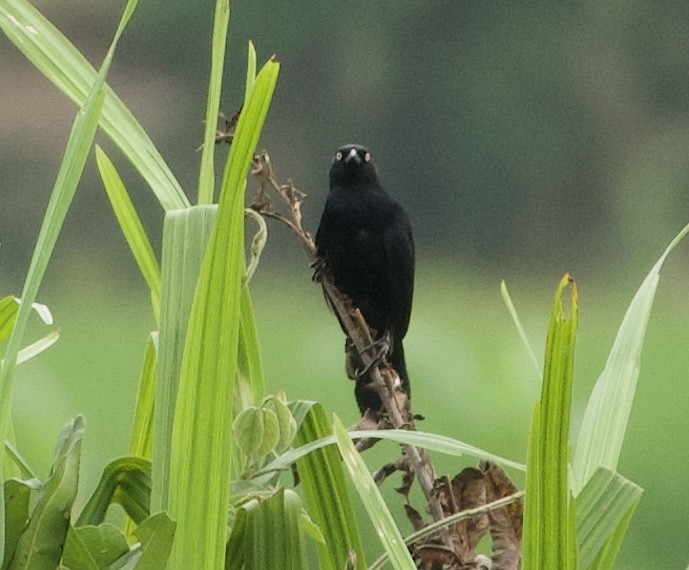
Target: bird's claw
318,265
380,349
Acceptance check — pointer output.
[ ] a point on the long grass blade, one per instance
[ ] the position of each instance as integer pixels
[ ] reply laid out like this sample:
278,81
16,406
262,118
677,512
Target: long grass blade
201,438
131,226
549,531
76,153
605,421
326,493
62,64
370,496
219,42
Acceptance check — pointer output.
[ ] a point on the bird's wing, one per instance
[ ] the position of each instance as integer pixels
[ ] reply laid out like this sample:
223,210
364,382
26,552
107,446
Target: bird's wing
400,254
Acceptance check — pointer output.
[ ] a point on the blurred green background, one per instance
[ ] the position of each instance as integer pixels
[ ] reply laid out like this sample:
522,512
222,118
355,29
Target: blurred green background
525,141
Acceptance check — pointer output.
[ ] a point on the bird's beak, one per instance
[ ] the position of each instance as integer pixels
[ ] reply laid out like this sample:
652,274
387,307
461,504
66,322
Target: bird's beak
353,155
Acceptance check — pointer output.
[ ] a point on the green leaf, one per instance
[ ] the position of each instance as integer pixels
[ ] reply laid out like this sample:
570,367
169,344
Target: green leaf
156,534
17,20
125,481
430,441
607,555
220,25
605,421
201,438
549,530
603,504
287,425
247,429
250,71
62,64
377,510
520,329
40,545
141,442
9,306
269,534
185,237
326,493
17,496
104,544
249,354
131,226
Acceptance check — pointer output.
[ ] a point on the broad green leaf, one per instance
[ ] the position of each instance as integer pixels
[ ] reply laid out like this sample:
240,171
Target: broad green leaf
605,421
287,425
17,496
141,442
40,545
247,429
156,534
185,237
131,226
326,493
76,554
62,64
201,437
607,555
269,534
370,496
603,504
104,544
17,19
549,539
125,481
207,175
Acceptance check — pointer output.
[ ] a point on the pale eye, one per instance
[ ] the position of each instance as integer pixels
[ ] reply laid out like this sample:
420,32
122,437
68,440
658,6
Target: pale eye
367,157
338,156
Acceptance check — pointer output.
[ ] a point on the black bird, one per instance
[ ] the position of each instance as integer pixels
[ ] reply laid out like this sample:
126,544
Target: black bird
365,239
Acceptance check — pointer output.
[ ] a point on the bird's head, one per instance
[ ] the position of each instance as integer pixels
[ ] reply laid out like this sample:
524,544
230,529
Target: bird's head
352,165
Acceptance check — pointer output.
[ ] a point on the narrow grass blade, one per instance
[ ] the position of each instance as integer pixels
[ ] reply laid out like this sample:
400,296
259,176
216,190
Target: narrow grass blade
18,25
250,71
326,493
201,437
62,64
41,543
430,441
126,481
219,43
605,420
549,532
377,510
269,534
603,504
520,329
36,348
185,237
131,226
249,355
141,441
